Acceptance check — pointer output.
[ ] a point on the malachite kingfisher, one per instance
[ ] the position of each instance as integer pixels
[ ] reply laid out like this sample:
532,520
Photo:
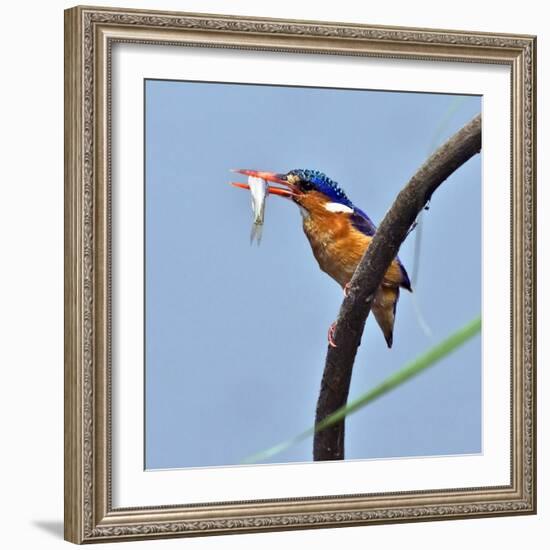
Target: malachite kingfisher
339,233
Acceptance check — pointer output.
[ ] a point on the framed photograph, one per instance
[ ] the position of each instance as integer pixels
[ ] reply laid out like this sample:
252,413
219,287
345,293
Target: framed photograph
356,348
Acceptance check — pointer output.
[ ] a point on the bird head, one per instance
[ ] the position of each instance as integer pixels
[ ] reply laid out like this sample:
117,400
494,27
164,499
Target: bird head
310,189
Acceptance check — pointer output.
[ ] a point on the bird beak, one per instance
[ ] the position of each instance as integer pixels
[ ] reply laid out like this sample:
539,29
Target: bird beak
288,191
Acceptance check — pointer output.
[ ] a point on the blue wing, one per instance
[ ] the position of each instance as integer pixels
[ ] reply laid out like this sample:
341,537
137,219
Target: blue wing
362,222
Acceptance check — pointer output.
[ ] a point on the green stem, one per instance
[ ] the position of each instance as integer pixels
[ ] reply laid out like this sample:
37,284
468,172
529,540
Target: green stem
415,367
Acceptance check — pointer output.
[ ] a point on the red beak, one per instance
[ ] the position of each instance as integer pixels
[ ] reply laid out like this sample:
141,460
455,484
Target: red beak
269,176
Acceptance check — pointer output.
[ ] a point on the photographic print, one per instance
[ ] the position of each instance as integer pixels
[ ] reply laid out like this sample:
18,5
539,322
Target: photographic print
300,276
240,302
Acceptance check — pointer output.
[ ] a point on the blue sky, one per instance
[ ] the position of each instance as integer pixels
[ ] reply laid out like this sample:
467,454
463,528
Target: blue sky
236,334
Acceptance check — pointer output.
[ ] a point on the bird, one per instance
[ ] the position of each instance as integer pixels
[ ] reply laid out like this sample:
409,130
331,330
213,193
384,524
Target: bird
339,234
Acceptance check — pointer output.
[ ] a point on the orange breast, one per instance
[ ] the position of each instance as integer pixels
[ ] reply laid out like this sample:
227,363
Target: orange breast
338,247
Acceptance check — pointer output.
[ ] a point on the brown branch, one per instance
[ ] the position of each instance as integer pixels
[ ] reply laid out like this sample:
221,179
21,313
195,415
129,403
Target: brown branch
328,444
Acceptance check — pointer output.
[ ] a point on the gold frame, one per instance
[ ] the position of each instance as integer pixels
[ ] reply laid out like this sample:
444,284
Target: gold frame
89,35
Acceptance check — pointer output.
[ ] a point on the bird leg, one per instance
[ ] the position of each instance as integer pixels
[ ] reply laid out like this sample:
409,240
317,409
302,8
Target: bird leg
331,330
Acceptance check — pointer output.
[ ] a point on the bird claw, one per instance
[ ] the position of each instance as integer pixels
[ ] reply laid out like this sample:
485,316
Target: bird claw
346,289
330,335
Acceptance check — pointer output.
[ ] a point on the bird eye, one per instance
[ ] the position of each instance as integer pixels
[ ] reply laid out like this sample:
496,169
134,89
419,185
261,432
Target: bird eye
306,185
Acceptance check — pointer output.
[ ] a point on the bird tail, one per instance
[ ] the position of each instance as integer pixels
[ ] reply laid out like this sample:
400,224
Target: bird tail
383,309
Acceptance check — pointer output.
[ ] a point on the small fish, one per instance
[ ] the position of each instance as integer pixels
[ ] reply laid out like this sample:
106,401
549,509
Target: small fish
258,195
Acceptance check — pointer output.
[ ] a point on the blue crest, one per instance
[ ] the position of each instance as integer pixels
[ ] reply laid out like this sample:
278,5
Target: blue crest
323,184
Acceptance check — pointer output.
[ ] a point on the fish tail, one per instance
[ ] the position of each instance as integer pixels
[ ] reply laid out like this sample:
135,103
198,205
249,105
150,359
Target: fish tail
256,233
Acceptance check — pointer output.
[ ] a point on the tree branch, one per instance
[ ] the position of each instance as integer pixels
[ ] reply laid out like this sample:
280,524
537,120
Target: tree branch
328,444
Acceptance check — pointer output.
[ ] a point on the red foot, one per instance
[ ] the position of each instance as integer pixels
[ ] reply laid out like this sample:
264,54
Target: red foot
346,289
331,342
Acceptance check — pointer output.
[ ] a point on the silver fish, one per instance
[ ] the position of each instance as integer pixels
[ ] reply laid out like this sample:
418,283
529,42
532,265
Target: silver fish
258,195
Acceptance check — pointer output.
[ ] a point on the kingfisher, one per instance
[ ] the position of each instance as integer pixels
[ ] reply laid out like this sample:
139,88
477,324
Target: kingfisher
339,234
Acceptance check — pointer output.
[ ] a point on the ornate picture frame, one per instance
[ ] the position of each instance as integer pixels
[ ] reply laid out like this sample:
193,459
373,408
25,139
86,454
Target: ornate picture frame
90,34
